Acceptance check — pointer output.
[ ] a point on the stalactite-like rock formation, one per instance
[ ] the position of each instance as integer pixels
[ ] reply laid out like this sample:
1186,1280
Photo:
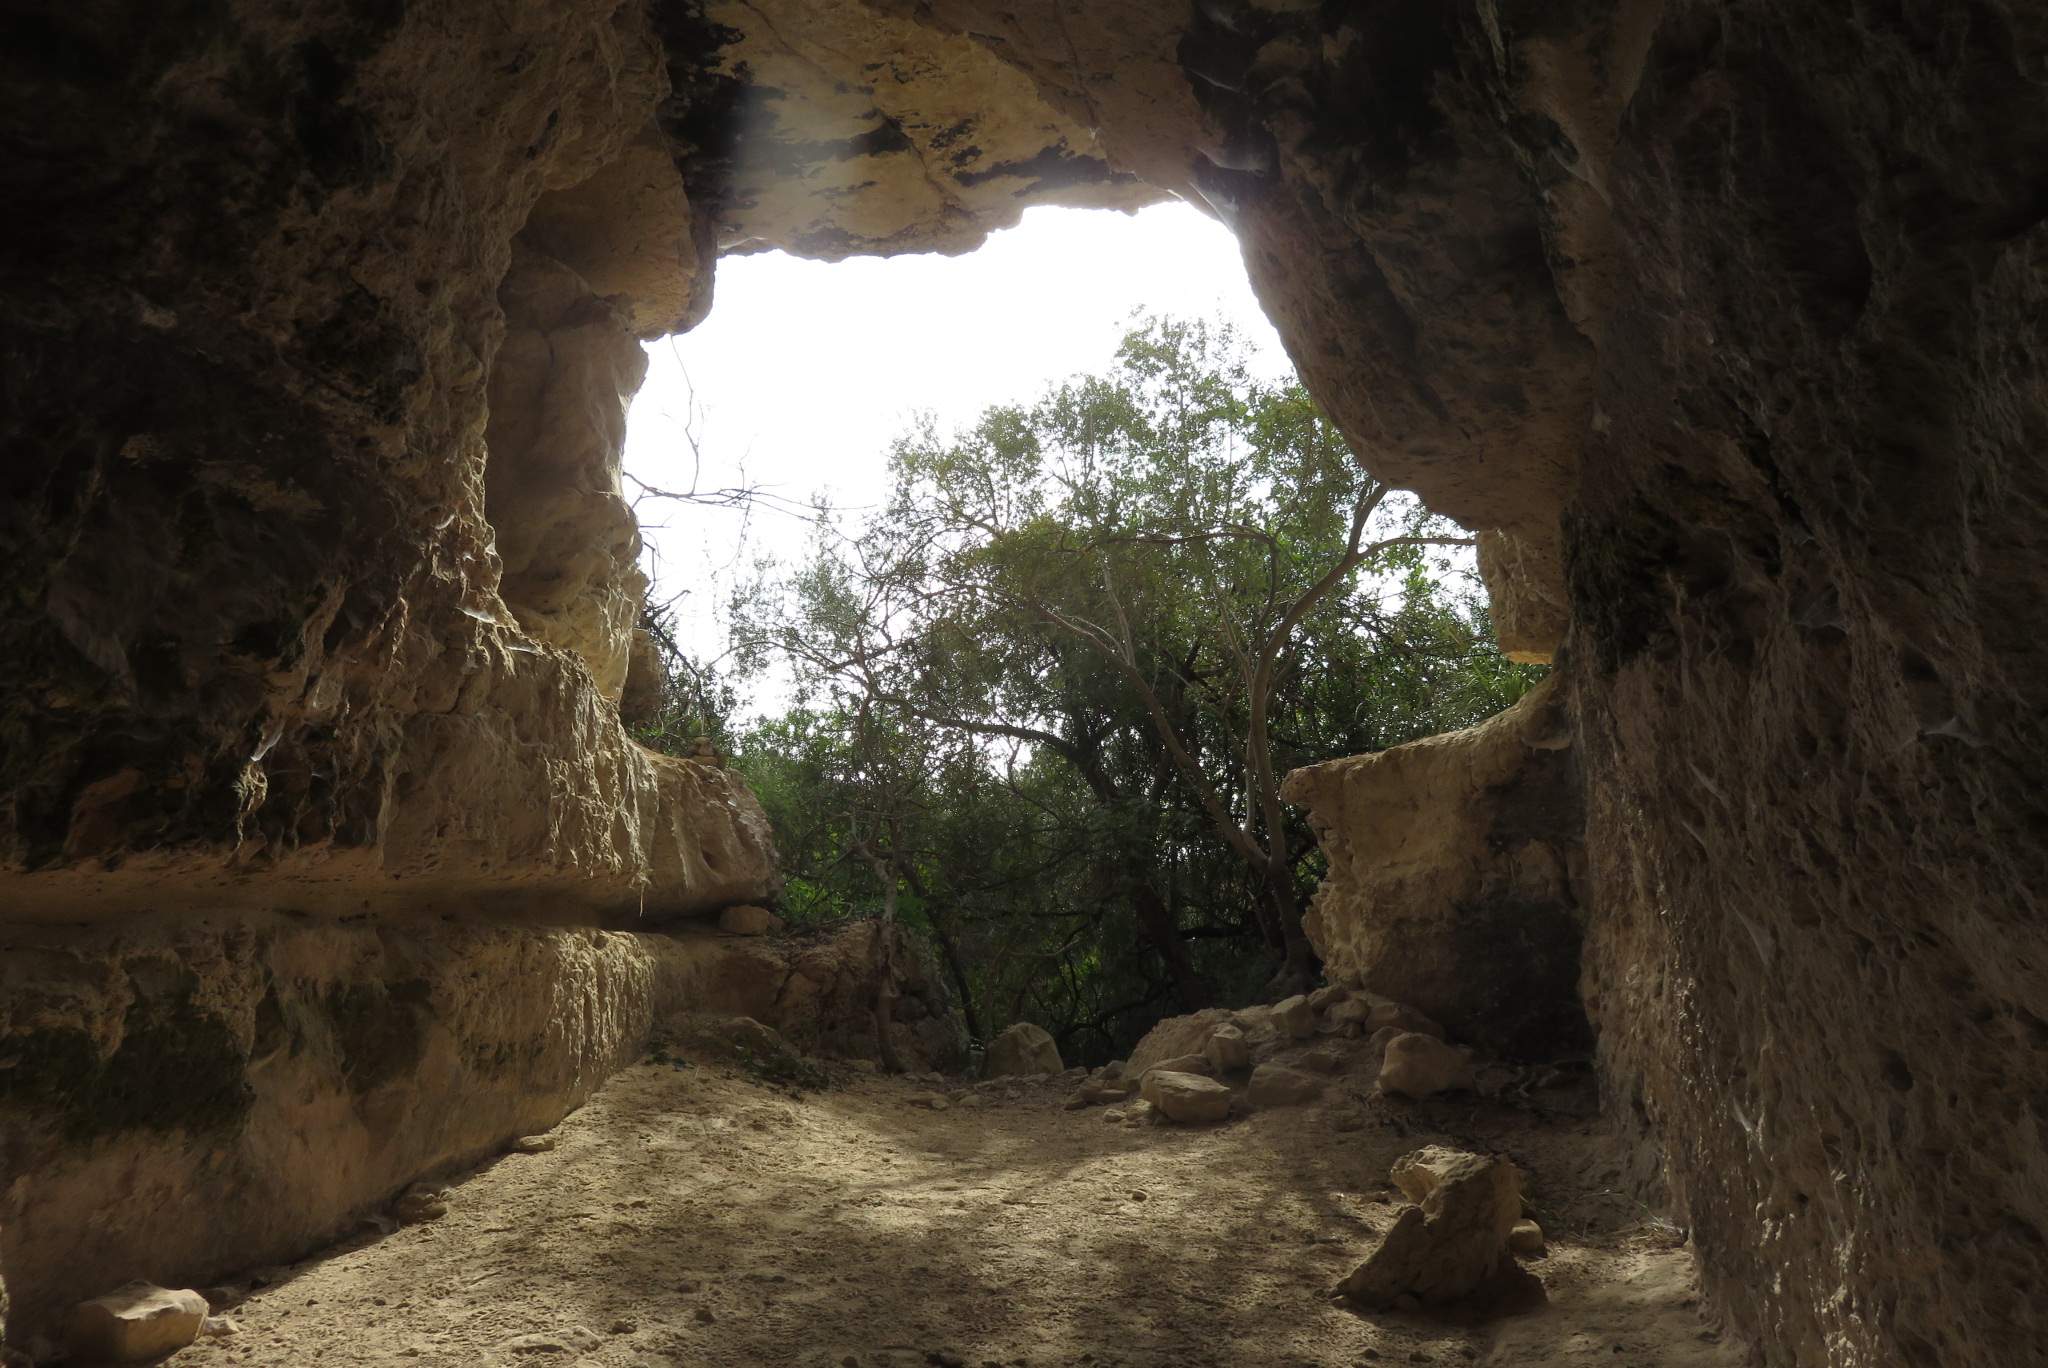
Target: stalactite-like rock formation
1722,321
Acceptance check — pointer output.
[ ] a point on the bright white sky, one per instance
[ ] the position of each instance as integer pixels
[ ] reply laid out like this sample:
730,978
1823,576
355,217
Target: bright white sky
806,371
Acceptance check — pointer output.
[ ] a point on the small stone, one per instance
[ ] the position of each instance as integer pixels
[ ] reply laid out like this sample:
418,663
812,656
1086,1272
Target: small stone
1023,1049
1323,999
969,1100
1080,1100
623,1327
1526,1238
533,1144
1114,1069
136,1322
1073,1075
747,920
1422,1066
944,1358
219,1327
1192,1063
1189,1098
1276,1085
1228,1050
1114,1115
1323,1061
1140,1113
1295,1017
704,1315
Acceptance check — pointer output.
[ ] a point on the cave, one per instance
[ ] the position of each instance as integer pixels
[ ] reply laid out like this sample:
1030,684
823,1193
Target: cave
1719,323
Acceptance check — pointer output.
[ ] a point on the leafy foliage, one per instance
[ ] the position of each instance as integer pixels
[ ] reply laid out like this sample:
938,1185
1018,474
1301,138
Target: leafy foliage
1047,695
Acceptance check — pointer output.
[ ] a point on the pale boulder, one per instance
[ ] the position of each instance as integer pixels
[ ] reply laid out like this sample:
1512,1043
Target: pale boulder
1422,1066
136,1323
1023,1050
1228,1050
1295,1017
748,920
1276,1085
1187,1097
1455,1240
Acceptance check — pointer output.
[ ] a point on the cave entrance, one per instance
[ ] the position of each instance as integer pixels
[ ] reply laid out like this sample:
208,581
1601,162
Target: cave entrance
805,372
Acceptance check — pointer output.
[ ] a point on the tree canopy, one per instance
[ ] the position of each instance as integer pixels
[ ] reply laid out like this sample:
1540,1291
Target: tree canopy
1046,695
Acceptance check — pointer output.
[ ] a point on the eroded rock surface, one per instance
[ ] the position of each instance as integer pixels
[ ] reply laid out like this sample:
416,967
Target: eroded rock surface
1455,869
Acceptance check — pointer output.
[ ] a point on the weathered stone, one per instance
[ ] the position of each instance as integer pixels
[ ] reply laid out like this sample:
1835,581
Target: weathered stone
1455,1240
1176,1038
1450,889
1024,1049
1276,1085
533,1144
1526,1238
1422,1066
1227,1050
1322,999
1190,1063
1186,1097
1412,1069
1295,1017
1323,1060
748,920
136,1323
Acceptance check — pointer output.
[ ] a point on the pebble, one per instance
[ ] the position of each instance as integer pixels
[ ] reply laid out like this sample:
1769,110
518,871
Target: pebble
533,1144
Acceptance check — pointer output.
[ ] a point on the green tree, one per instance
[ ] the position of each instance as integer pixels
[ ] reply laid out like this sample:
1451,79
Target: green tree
1108,624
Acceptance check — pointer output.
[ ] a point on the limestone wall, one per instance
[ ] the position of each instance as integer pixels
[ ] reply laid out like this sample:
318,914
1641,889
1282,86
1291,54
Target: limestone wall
187,1097
1457,869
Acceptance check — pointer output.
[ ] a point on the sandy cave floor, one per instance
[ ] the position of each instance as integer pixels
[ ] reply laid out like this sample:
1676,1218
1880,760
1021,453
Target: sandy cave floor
694,1216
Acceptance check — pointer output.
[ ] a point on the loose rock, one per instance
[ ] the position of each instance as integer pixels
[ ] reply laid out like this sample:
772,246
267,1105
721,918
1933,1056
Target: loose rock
1228,1050
1526,1238
1295,1017
136,1323
1024,1049
1189,1098
1445,1248
1276,1085
1422,1066
533,1144
1323,1061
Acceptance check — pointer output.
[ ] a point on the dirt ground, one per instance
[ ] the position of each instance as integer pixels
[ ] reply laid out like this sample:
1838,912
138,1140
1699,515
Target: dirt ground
694,1216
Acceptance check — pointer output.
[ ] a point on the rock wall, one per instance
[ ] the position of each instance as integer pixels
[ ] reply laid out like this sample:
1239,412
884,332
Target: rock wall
1721,319
1728,316
1456,875
186,1098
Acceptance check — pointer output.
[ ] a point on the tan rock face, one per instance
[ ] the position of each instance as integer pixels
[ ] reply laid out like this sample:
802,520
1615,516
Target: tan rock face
286,1076
864,133
1452,887
1730,312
